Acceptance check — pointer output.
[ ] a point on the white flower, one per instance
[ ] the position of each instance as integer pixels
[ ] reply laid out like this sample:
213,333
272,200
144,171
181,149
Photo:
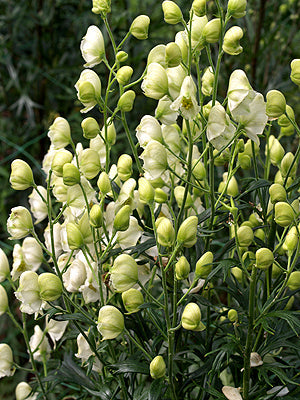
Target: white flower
28,293
55,329
155,83
98,145
39,345
4,266
57,239
6,361
75,276
60,133
26,258
238,88
155,159
92,47
164,113
23,391
130,237
176,77
19,223
88,89
85,352
148,129
220,130
38,207
231,393
186,103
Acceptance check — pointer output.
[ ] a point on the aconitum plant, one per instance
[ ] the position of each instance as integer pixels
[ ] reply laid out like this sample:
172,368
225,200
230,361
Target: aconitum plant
174,273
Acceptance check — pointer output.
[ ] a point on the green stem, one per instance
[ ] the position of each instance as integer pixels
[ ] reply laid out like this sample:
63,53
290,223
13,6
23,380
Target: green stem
133,148
138,345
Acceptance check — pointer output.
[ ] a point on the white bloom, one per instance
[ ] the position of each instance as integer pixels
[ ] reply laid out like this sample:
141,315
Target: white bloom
238,88
47,160
88,89
26,258
59,190
164,113
155,83
176,77
19,223
55,329
280,390
198,24
23,391
231,393
85,352
92,47
148,129
98,145
130,237
155,159
75,198
4,266
57,239
38,207
6,361
157,55
186,102
75,276
39,345
28,293
60,133
220,130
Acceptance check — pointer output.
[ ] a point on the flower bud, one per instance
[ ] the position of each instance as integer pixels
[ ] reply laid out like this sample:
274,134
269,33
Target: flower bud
179,195
244,161
60,133
60,158
284,214
19,223
187,232
6,360
126,101
276,271
157,55
160,196
212,30
124,273
4,266
237,273
90,128
191,318
295,71
21,176
182,268
124,167
173,55
293,282
231,44
121,56
165,232
287,128
277,193
285,164
71,174
110,135
276,104
23,391
132,299
3,300
50,286
291,240
157,368
139,27
155,83
74,236
101,6
199,7
172,13
204,265
146,191
198,170
88,89
237,8
245,236
96,217
232,315
124,74
103,183
276,150
207,80
110,322
92,47
89,163
122,218
264,258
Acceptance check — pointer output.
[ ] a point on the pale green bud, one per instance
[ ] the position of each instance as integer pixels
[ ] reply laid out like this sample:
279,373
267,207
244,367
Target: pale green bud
89,163
260,234
212,30
279,179
284,214
122,218
139,27
198,170
276,104
124,167
157,55
232,188
244,161
295,71
283,121
110,135
4,266
126,101
110,322
182,268
90,128
198,24
222,159
248,148
264,258
21,176
182,40
249,259
296,206
276,150
96,217
237,8
232,315
121,56
179,195
254,221
50,286
19,223
290,303
23,391
101,6
207,81
71,174
157,368
124,74
74,236
173,54
231,43
60,133
146,191
132,299
88,89
85,228
276,271
6,361
124,273
245,236
285,164
155,83
277,193
187,232
199,7
172,13
59,160
160,196
3,300
191,318
204,265
291,240
103,183
237,273
165,232
293,282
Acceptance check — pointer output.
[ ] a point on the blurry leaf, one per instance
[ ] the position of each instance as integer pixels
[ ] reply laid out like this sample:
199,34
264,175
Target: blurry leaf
155,389
130,366
72,317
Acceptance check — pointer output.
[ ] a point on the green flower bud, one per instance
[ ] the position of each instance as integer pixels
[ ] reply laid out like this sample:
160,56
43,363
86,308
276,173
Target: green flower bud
232,188
276,150
245,236
122,218
231,44
173,54
248,148
109,133
103,183
74,236
296,206
155,83
187,232
101,6
237,273
60,133
124,167
212,30
277,193
121,56
124,74
96,217
89,162
19,223
237,8
90,128
139,27
88,89
182,268
165,232
157,368
248,259
132,300
198,170
179,195
126,101
160,196
50,286
276,104
232,315
21,176
295,71
290,303
222,159
3,300
60,158
276,271
172,13
283,120
264,258
244,161
71,174
4,266
279,179
254,221
207,81
285,164
191,318
110,322
199,7
291,240
204,265
124,273
260,234
146,191
284,214
293,282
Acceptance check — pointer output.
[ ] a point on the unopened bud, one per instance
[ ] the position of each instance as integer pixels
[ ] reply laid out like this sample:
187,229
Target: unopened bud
286,163
71,174
103,183
199,7
101,6
207,81
165,232
90,128
172,13
231,44
245,236
139,27
110,322
157,368
146,191
89,162
237,273
124,273
4,266
212,30
3,300
237,8
191,318
284,214
173,55
276,150
124,167
124,74
291,240
295,71
248,259
60,133
244,161
121,56
276,104
122,218
132,300
187,232
293,282
50,286
179,196
59,160
126,101
232,315
264,258
21,176
160,196
277,193
74,236
19,223
182,268
204,265
96,217
23,391
198,170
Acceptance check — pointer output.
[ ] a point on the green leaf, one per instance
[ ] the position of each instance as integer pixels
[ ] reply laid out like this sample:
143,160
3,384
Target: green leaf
155,389
71,317
291,317
130,366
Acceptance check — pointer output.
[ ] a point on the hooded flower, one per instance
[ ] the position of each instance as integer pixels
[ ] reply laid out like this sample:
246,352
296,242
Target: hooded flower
186,102
92,47
155,83
88,89
220,130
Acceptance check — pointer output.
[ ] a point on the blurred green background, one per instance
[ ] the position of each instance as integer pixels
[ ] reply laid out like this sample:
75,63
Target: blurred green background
40,62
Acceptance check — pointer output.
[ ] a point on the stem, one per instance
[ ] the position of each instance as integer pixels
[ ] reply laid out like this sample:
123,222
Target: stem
138,345
133,148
